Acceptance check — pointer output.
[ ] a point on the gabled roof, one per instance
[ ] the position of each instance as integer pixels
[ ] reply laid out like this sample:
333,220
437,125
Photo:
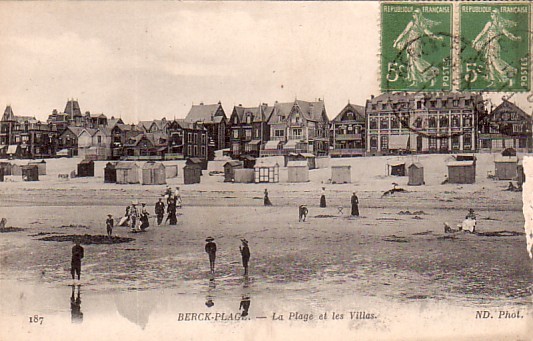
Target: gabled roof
75,130
126,127
145,125
266,112
312,111
111,122
90,131
505,104
205,113
187,125
358,110
239,112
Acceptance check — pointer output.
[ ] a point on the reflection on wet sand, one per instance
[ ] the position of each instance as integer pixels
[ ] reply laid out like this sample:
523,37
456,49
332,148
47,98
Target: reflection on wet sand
245,305
75,305
136,306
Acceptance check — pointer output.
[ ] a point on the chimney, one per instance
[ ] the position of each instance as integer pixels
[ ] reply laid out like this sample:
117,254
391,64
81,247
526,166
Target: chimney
201,103
240,105
371,96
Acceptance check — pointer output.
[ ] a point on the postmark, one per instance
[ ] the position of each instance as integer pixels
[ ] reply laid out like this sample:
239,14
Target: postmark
416,46
495,51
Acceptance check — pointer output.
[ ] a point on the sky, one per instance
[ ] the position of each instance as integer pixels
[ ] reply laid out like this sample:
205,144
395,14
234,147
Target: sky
148,60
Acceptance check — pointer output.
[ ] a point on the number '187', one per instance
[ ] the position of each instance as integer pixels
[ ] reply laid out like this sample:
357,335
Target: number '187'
36,319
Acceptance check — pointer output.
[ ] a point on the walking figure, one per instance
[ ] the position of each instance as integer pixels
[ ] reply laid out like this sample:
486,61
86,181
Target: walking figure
171,212
266,199
109,223
177,197
355,205
302,210
144,217
323,197
134,215
211,249
159,211
77,255
245,253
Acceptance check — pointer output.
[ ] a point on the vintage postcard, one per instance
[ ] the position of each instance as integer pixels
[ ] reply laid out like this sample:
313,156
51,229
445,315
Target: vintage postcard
255,170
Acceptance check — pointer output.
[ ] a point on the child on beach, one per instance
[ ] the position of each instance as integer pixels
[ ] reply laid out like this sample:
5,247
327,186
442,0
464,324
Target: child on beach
109,225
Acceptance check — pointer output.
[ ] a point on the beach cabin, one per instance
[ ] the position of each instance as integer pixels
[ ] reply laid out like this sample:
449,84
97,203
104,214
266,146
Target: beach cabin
6,168
521,176
192,171
30,173
509,152
171,171
41,165
416,174
266,171
298,171
248,161
16,169
307,157
341,174
505,167
229,170
244,175
200,161
85,168
1,174
153,173
397,169
127,173
461,172
110,173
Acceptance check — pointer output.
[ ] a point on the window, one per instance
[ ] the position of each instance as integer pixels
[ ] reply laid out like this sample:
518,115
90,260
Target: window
419,104
195,150
494,129
517,128
99,139
189,150
279,133
384,123
374,107
297,132
455,142
195,138
432,141
257,133
350,116
235,133
249,119
455,102
203,151
468,102
384,142
248,133
467,142
383,106
373,123
418,122
497,144
455,121
444,144
467,121
189,137
395,123
432,122
522,143
373,142
235,120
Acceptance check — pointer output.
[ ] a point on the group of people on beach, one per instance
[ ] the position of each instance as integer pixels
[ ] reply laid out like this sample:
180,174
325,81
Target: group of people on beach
303,210
211,250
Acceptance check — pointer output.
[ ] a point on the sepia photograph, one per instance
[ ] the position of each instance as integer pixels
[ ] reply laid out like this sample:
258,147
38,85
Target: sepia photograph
266,170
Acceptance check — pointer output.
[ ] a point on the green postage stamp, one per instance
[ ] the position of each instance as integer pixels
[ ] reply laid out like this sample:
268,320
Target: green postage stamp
416,46
495,46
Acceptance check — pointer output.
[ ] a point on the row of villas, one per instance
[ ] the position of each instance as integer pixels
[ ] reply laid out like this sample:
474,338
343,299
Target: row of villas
391,123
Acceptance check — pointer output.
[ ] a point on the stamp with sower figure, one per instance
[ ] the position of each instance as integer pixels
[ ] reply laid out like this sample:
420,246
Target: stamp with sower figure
495,51
416,46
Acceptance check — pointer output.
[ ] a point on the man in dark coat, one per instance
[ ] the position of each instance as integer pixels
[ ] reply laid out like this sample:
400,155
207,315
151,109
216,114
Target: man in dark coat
245,253
211,249
355,205
109,225
171,212
159,211
77,255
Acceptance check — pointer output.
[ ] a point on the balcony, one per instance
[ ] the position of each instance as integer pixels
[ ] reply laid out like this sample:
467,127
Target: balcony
348,137
348,152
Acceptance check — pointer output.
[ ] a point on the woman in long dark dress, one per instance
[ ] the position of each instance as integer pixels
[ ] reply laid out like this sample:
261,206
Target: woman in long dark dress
171,210
266,199
323,197
355,205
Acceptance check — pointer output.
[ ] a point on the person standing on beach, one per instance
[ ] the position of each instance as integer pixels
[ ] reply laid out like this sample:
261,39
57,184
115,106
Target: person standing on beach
266,200
77,255
109,225
323,198
355,205
144,217
171,212
134,214
177,197
159,211
211,249
245,253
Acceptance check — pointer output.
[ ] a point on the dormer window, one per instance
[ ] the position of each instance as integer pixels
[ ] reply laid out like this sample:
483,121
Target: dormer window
249,119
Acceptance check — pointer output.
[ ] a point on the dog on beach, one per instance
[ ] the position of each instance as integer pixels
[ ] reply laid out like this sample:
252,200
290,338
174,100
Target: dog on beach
302,212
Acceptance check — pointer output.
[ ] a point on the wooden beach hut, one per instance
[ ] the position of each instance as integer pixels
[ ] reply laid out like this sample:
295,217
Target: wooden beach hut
192,172
171,171
505,167
298,171
86,168
266,171
229,170
244,175
521,176
461,172
16,169
41,165
341,174
248,161
6,168
153,173
127,173
110,173
30,173
397,169
1,174
416,174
